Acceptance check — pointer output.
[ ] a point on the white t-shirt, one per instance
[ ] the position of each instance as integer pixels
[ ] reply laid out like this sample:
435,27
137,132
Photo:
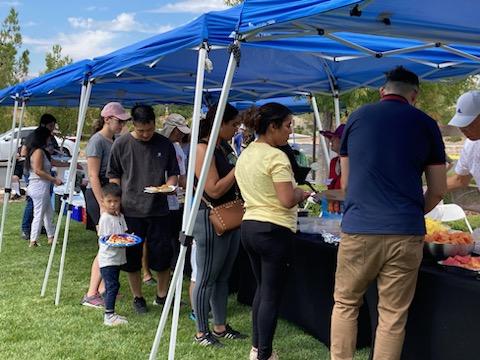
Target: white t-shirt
173,203
469,162
109,225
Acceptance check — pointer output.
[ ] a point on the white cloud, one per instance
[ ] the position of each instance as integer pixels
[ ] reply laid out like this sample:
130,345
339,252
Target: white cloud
96,8
124,22
80,23
29,24
191,6
87,44
10,3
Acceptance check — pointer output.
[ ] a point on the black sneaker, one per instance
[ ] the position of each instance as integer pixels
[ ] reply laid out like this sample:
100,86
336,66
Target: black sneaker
159,301
140,305
230,333
208,340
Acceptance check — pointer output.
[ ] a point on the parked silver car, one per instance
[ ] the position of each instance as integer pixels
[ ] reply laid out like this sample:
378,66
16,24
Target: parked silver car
66,144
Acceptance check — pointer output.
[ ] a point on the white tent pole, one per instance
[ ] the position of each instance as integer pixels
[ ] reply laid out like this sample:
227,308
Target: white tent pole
8,179
72,175
60,214
336,103
197,108
316,114
18,138
178,273
17,143
176,310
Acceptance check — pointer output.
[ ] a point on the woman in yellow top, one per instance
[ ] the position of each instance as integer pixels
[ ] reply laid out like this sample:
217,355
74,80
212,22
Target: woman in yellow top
267,184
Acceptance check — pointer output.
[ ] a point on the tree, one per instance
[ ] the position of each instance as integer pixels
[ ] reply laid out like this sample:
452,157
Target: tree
66,117
55,60
436,99
232,2
13,66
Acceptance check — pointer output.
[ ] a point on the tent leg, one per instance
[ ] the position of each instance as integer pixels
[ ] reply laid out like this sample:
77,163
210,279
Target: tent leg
196,203
197,107
176,309
8,178
316,114
71,183
62,210
336,103
52,250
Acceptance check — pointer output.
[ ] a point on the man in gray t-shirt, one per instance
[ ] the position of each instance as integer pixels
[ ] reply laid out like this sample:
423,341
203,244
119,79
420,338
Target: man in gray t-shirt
139,159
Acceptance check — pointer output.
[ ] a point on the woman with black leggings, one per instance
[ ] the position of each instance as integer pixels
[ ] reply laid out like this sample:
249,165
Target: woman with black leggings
267,184
215,254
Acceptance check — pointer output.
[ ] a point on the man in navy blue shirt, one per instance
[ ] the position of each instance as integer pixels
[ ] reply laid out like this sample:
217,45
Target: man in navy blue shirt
386,148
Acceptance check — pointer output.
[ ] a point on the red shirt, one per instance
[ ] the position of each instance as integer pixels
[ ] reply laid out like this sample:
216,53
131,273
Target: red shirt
334,174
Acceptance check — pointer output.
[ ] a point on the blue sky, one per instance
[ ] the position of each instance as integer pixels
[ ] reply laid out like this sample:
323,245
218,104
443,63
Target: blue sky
90,28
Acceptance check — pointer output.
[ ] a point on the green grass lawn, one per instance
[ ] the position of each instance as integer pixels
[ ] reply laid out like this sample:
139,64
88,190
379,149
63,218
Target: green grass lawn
32,327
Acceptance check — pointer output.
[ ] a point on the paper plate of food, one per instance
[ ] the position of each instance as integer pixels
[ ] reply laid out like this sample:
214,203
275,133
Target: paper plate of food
162,189
121,240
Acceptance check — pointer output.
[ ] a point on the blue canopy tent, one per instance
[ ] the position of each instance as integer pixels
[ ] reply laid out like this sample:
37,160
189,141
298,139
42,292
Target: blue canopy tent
439,24
438,21
170,68
162,68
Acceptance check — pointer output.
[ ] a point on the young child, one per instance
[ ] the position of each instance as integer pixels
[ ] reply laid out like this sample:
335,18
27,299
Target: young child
110,258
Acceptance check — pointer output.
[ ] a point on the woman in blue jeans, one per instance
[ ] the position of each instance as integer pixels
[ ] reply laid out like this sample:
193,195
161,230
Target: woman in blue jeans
268,186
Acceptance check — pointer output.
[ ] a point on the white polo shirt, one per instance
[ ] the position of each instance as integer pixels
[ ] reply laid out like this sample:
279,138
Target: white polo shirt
469,161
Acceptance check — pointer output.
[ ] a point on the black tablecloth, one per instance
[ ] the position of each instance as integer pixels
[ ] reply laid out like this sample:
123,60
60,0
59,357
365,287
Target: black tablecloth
308,296
444,318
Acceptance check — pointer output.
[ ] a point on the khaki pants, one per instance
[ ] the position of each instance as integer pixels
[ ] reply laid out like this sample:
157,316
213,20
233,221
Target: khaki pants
394,261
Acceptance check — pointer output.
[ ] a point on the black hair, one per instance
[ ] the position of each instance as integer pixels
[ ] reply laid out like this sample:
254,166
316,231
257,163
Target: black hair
46,119
206,124
38,140
400,74
260,118
143,114
111,189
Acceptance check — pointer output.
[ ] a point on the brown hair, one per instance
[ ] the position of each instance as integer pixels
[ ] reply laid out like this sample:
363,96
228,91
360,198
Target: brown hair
98,125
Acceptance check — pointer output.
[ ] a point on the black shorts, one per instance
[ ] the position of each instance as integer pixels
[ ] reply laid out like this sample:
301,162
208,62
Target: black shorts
156,232
93,210
18,171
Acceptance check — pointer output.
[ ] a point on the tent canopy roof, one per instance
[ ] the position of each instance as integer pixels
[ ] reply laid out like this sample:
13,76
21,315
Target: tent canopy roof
162,69
443,21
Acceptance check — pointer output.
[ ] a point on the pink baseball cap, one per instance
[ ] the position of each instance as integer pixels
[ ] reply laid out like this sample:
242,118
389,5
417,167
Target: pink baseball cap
337,133
115,109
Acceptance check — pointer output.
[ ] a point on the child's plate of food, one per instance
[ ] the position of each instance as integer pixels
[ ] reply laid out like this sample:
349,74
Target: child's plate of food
121,240
162,189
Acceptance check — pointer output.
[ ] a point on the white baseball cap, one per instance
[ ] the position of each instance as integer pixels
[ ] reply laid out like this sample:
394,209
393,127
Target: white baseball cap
468,108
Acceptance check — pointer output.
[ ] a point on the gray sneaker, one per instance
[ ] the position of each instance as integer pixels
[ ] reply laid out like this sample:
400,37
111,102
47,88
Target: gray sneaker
94,301
114,320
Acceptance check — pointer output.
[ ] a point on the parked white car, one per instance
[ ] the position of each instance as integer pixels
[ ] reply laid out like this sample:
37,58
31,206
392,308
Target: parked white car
66,144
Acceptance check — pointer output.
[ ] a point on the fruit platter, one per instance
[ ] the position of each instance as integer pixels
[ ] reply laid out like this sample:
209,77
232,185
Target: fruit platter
121,240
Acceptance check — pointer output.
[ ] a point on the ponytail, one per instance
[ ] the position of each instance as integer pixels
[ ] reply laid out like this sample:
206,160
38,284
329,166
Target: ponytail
98,125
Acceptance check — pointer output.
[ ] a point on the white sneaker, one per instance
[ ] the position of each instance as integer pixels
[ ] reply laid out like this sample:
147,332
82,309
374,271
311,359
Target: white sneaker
253,354
114,320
